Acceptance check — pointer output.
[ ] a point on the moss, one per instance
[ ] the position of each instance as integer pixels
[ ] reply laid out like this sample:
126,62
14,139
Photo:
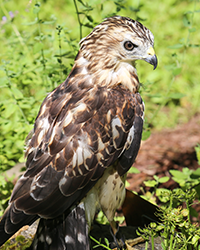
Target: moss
18,243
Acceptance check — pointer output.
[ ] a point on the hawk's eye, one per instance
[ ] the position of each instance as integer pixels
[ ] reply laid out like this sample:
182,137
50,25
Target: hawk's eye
128,45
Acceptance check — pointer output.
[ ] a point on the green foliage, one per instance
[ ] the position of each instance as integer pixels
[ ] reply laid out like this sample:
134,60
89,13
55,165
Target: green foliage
176,230
187,178
101,218
156,181
6,185
100,244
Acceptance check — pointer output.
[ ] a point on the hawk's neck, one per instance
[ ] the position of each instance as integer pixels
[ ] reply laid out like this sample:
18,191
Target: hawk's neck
119,73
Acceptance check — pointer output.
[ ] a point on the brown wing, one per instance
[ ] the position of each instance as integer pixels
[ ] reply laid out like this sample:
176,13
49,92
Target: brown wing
77,135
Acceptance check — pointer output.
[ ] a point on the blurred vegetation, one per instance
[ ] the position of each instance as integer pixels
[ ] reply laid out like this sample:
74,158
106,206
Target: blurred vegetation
39,41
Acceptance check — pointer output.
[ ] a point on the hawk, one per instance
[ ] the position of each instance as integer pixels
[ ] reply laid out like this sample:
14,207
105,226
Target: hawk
85,138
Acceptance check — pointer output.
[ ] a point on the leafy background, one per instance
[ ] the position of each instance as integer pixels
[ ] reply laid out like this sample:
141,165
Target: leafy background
39,41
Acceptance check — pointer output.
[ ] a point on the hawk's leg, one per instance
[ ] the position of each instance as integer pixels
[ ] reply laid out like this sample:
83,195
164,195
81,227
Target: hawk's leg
119,240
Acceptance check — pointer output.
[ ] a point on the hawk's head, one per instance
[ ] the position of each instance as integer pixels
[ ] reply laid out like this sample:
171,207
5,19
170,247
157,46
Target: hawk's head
109,52
119,39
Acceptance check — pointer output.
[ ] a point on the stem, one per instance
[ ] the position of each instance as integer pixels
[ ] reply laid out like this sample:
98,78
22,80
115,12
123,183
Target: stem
163,244
146,245
171,240
174,245
191,23
79,21
188,208
42,53
60,46
152,242
44,78
166,235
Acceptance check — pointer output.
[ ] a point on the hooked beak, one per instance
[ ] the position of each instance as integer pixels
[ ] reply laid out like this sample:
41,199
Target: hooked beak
151,57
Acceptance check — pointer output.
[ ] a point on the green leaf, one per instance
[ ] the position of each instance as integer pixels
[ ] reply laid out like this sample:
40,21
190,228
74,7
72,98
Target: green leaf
195,239
133,170
176,95
177,71
163,179
192,30
16,92
4,81
49,22
150,183
30,23
197,149
146,134
176,46
10,109
178,174
36,8
196,172
106,241
38,47
156,177
163,194
88,25
89,18
154,95
187,171
185,212
183,177
186,22
194,45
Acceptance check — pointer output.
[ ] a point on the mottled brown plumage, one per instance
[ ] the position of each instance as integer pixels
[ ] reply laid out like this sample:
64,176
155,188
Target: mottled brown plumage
87,133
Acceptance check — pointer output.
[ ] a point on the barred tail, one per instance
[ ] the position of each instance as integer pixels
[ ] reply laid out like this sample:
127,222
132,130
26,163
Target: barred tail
65,232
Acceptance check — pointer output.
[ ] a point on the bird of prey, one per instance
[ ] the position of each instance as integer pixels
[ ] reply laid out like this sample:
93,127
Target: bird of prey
85,138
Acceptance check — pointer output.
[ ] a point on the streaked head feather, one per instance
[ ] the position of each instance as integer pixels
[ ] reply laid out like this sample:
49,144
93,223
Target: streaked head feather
105,57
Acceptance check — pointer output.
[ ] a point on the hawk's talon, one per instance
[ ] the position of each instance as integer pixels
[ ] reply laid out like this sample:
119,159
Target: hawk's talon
119,242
